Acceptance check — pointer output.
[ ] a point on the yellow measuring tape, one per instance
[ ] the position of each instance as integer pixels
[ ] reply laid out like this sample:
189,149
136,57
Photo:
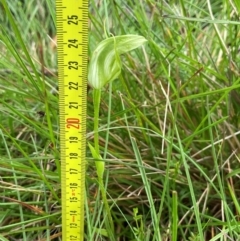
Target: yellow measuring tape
72,38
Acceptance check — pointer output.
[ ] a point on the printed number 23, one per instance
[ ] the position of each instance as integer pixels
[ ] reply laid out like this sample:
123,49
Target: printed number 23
73,65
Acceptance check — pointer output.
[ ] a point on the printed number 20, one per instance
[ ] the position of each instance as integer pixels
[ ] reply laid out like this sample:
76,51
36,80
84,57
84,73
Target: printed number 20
73,122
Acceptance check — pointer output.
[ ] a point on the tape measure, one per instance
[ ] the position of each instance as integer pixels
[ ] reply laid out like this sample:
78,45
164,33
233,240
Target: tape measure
72,38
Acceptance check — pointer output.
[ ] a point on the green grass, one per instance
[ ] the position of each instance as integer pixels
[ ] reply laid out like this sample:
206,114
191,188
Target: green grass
168,126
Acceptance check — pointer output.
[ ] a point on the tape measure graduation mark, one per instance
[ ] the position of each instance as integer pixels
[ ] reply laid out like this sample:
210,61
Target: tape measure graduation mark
72,34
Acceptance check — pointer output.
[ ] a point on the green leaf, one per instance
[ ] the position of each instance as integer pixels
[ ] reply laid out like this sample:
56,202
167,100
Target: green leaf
3,239
237,4
100,165
105,64
102,231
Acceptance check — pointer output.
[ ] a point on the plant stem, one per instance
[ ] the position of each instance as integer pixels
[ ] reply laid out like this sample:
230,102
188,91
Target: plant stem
99,167
96,100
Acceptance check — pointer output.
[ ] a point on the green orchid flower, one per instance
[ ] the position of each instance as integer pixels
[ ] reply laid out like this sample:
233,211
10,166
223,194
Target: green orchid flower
105,64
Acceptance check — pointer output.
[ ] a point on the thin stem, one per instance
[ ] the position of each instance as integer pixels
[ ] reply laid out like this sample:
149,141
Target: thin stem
108,120
108,220
96,100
